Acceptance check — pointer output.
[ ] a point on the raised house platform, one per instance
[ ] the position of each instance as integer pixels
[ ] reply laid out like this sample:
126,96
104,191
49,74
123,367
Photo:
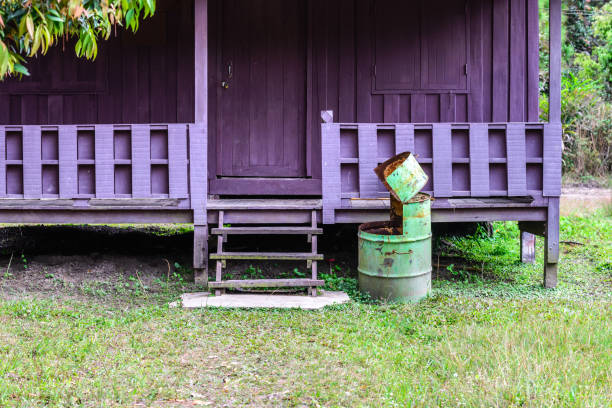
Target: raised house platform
271,116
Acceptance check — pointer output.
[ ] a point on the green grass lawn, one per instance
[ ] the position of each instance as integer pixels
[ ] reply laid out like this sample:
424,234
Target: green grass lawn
492,337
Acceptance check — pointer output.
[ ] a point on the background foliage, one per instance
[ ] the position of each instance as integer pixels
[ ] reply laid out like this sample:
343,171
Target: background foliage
586,94
30,27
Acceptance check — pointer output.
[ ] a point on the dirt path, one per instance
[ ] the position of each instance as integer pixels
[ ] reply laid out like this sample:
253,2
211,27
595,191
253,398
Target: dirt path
582,200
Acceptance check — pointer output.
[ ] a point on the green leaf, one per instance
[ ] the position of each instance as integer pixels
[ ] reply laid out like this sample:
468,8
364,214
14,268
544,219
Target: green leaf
4,59
22,27
30,26
21,69
77,48
55,18
129,17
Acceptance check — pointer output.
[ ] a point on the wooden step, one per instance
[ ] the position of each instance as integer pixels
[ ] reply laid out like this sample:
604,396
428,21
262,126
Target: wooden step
264,204
267,230
268,256
265,283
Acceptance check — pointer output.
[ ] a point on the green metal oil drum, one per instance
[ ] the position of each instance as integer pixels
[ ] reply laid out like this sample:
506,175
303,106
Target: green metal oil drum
395,258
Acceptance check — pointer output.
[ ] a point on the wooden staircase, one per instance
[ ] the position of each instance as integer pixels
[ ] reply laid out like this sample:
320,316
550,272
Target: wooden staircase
222,256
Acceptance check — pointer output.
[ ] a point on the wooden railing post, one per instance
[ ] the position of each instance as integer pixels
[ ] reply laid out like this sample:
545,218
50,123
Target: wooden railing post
198,190
2,161
552,148
330,154
554,26
198,161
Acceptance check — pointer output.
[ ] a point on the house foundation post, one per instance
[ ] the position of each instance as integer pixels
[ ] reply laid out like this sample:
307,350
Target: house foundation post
200,254
528,246
198,160
552,165
551,244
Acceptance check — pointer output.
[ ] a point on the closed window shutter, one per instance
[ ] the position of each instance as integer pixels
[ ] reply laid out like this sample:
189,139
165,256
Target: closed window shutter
420,45
397,45
444,53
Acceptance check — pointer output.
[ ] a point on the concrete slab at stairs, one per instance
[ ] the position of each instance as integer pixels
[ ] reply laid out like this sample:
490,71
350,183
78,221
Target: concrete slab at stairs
325,298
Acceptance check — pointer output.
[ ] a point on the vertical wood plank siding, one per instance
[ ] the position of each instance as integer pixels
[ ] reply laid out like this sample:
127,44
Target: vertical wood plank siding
94,161
533,62
150,78
518,61
500,61
555,62
142,78
501,68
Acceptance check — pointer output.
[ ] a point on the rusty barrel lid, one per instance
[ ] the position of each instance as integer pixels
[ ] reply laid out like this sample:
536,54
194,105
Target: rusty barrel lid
402,176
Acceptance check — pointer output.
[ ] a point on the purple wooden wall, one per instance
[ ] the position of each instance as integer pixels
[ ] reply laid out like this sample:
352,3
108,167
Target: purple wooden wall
502,62
500,40
147,78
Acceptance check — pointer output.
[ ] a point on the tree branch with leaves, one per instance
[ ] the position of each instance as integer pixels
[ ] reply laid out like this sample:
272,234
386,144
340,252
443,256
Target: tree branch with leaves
30,27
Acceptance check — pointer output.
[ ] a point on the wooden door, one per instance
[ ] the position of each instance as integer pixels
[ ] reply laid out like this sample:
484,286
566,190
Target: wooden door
261,92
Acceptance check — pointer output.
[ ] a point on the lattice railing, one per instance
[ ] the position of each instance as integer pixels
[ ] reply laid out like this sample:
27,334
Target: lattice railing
461,160
104,161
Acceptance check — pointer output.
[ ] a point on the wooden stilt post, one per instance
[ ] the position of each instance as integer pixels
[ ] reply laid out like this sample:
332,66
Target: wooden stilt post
554,27
198,140
200,254
552,173
551,245
527,247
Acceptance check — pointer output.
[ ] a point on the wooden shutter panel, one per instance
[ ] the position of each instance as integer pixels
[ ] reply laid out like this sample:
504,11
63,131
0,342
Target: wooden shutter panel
397,45
444,52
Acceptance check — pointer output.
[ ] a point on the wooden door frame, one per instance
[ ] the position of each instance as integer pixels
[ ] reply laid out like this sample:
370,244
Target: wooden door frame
265,186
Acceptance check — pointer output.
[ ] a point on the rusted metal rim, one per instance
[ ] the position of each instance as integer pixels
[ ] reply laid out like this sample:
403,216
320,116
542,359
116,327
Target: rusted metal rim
378,225
419,198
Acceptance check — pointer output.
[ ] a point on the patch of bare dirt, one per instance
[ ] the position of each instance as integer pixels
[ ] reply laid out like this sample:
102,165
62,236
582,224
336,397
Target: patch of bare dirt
114,264
86,261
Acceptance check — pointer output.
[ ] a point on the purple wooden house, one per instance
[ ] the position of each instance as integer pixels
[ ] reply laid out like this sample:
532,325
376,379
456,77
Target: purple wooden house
270,115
